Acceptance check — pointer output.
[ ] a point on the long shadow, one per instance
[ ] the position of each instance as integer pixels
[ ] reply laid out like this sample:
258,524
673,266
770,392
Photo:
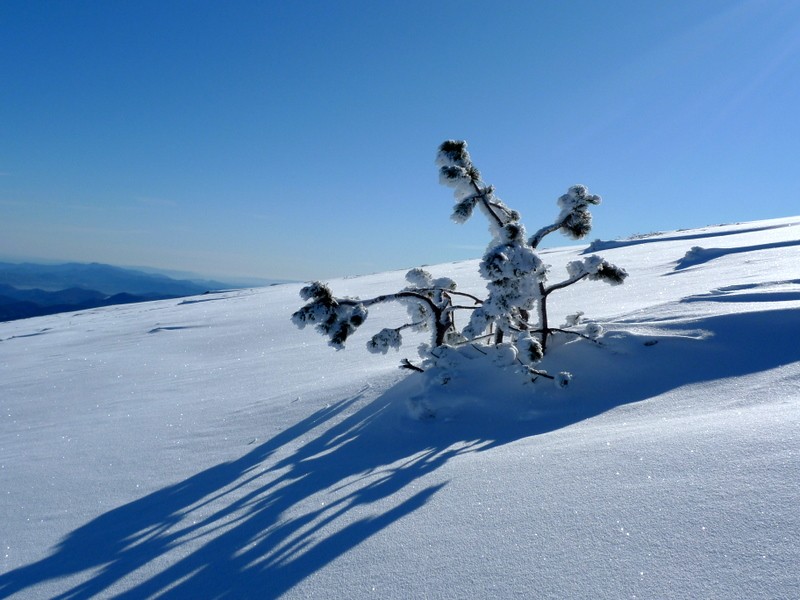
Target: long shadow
248,525
128,537
600,245
754,297
258,526
685,352
42,331
699,256
735,293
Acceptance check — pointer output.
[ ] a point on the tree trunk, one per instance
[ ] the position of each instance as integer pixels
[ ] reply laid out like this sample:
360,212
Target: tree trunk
543,317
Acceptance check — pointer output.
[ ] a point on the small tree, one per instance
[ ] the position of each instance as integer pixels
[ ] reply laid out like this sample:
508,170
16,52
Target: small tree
516,282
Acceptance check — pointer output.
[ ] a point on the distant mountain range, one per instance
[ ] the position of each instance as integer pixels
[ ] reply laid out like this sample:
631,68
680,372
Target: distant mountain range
30,289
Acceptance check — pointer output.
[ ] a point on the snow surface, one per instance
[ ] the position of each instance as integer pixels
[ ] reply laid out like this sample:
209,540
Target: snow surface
206,448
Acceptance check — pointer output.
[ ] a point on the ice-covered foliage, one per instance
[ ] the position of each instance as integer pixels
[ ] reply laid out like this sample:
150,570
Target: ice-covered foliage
499,328
575,219
383,340
419,278
529,350
457,171
562,379
596,268
513,271
336,318
594,330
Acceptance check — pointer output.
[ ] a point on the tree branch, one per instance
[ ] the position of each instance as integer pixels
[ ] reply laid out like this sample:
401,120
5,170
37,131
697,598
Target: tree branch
563,284
440,327
536,238
470,296
586,337
482,194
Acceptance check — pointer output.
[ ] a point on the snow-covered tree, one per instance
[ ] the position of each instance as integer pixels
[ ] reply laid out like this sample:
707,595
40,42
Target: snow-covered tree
517,285
517,277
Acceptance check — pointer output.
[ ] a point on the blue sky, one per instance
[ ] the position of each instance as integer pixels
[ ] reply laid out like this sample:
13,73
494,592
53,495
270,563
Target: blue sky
296,139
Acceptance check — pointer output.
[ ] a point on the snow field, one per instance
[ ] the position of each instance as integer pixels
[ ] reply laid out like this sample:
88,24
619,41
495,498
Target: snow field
207,448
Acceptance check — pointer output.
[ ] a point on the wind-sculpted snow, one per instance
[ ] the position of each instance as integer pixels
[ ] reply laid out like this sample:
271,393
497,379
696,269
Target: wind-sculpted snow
698,255
703,234
211,450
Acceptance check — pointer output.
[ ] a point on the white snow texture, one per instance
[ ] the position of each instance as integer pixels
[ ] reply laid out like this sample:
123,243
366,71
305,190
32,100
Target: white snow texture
207,448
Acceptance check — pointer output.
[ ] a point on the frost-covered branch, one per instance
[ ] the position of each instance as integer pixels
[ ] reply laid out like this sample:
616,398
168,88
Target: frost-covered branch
457,171
429,302
552,330
340,317
575,220
465,295
591,267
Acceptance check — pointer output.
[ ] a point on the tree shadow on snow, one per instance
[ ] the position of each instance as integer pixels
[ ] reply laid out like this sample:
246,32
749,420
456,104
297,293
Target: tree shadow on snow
258,526
670,354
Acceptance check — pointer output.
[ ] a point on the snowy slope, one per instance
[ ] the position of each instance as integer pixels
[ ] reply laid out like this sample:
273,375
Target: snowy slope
205,448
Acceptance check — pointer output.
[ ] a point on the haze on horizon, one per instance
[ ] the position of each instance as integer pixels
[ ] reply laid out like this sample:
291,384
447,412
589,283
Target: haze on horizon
296,140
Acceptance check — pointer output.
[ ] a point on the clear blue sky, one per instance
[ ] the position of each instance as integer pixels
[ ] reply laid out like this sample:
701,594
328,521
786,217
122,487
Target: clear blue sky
296,139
